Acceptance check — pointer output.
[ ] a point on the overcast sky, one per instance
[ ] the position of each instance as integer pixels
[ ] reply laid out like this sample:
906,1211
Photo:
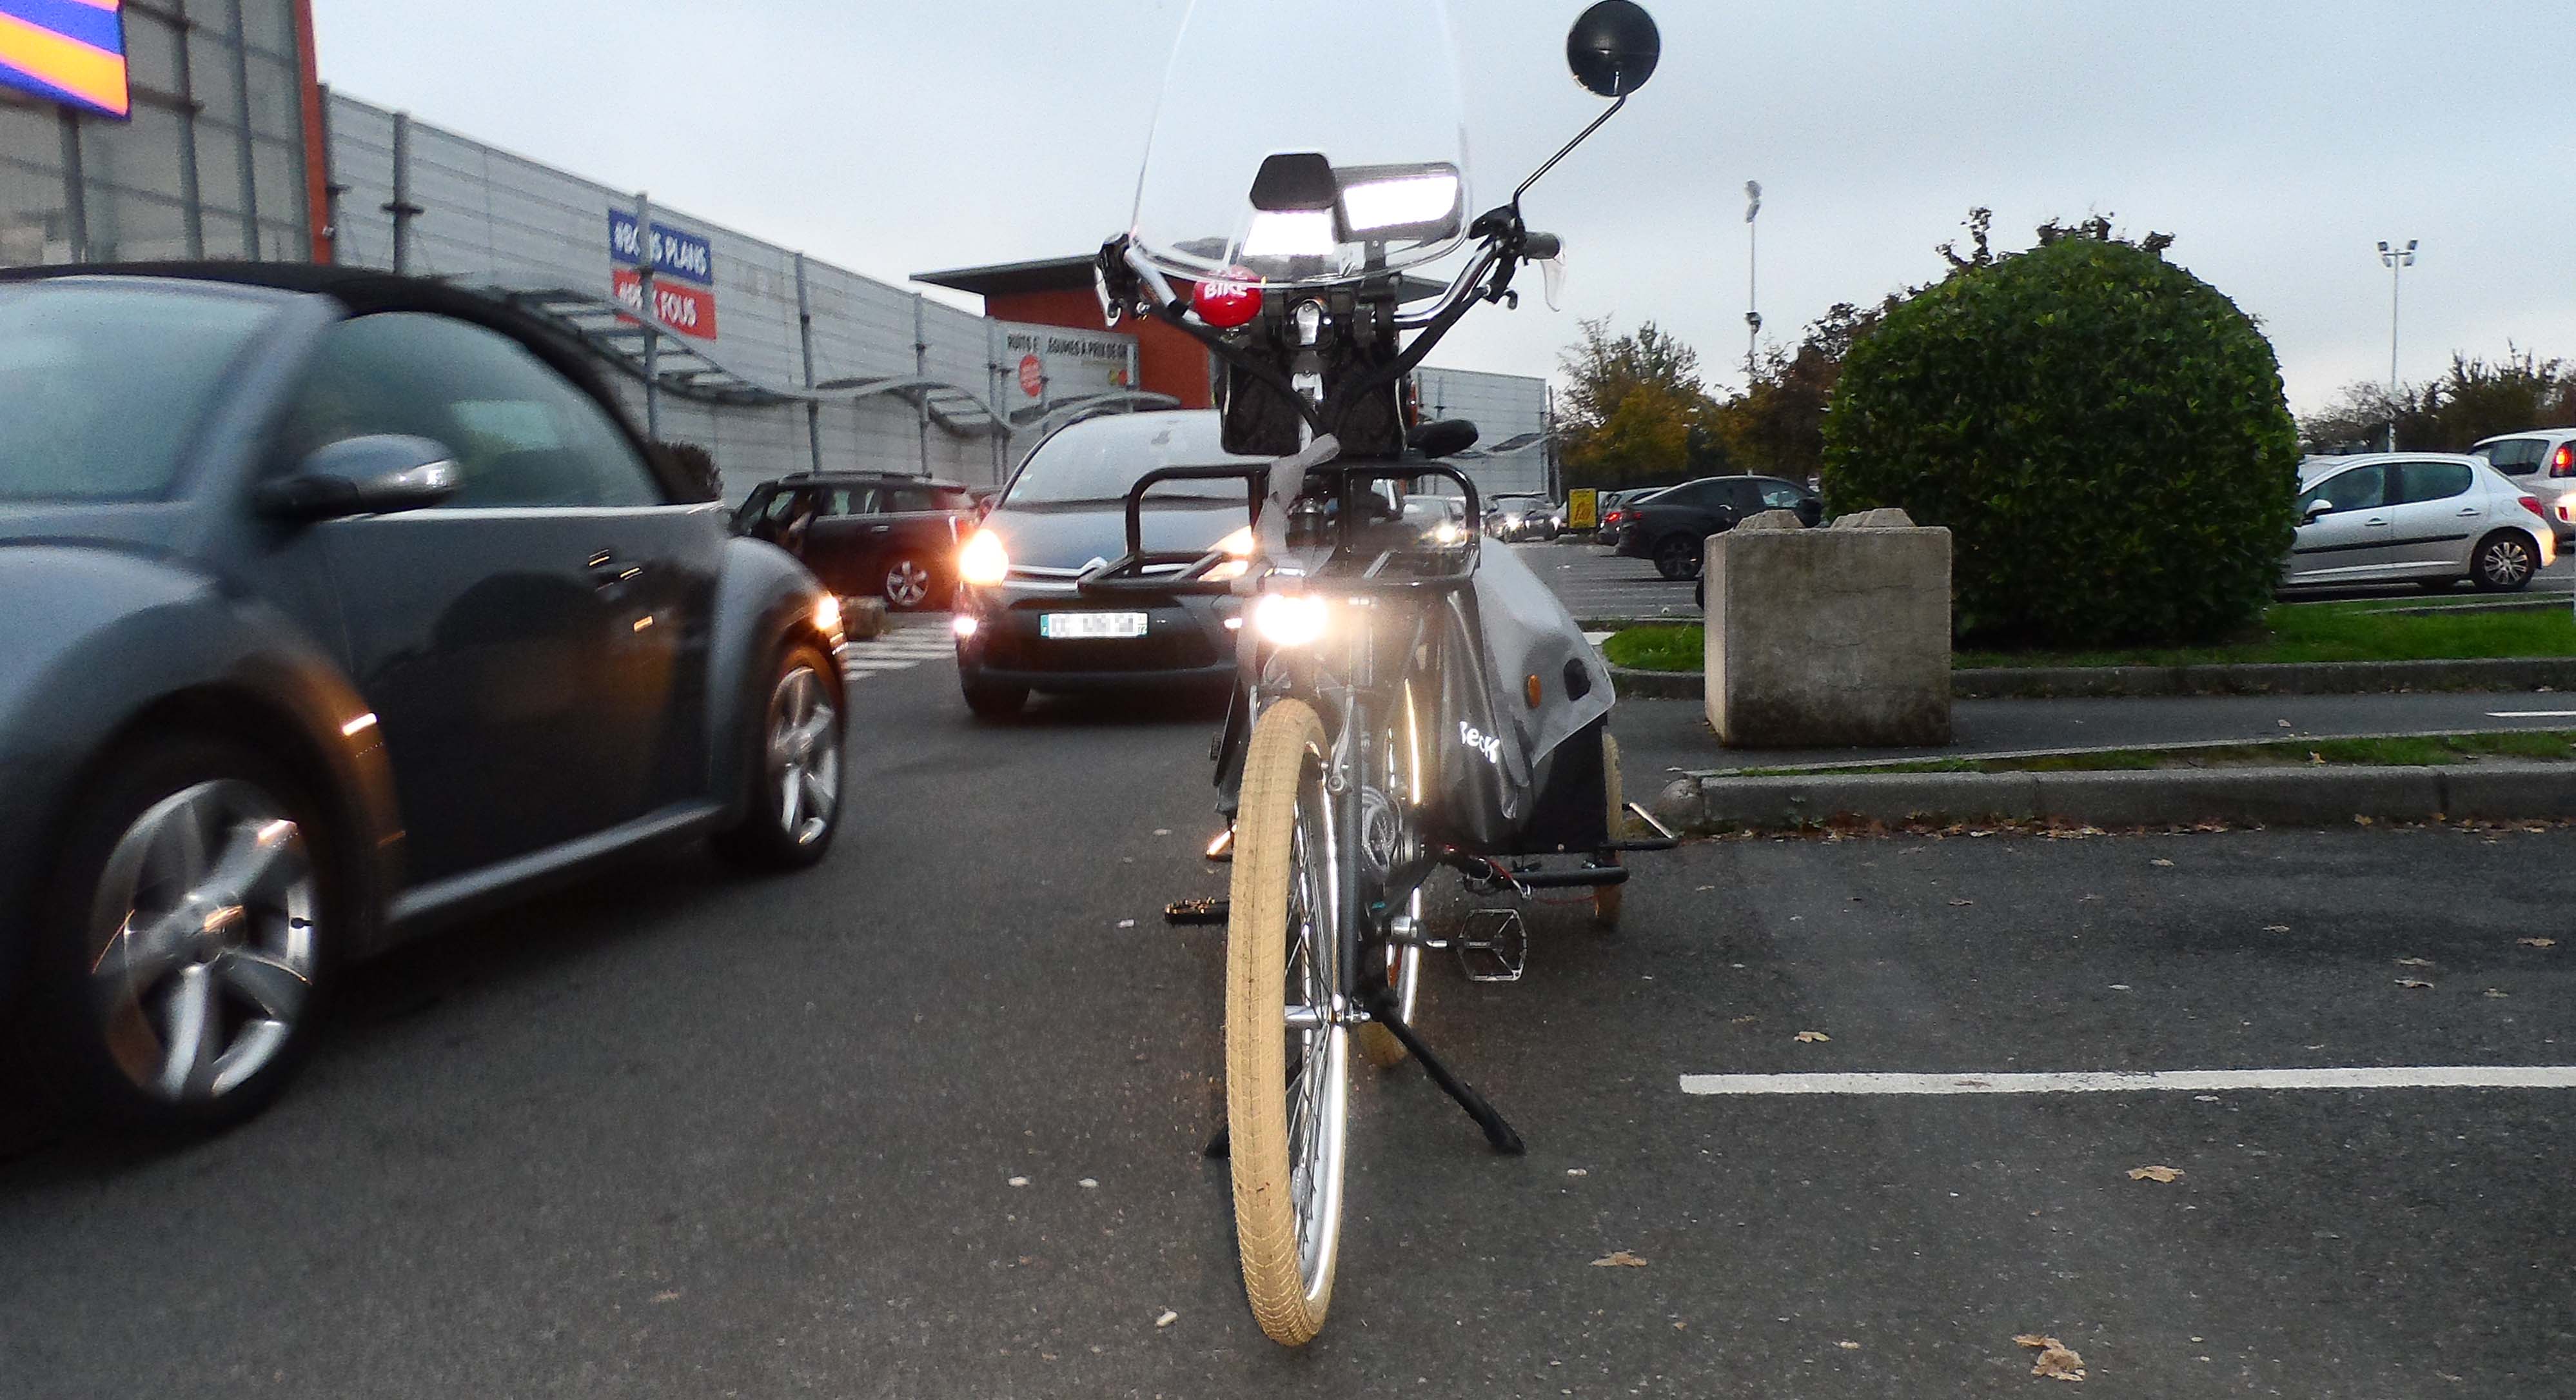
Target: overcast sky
2278,140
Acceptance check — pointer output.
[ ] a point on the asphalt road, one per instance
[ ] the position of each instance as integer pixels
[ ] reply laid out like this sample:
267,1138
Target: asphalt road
672,1134
1599,585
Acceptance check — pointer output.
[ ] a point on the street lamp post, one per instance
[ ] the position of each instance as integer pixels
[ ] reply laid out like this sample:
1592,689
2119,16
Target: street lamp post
1752,279
2396,260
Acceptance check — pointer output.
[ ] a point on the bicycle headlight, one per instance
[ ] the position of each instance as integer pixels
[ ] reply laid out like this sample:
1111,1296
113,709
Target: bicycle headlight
983,562
1288,619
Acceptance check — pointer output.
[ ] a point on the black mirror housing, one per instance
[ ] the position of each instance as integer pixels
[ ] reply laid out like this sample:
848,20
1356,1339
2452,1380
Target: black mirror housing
1613,48
1445,438
373,475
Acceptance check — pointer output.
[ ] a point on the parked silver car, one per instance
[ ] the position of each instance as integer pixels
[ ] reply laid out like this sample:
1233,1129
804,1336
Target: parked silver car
2415,517
2543,463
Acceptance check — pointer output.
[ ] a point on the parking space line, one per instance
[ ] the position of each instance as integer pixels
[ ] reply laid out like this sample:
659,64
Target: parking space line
2117,1081
2531,714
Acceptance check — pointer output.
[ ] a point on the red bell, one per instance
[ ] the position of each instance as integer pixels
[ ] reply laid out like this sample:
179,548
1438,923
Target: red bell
1229,300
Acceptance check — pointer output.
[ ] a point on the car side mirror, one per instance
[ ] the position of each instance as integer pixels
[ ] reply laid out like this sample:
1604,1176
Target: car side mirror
374,475
2315,508
1613,48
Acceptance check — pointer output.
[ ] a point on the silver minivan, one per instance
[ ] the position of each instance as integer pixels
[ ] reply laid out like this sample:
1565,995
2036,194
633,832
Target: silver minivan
2416,517
2542,462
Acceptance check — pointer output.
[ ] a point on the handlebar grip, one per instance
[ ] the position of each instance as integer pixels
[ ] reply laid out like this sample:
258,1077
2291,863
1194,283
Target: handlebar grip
1539,247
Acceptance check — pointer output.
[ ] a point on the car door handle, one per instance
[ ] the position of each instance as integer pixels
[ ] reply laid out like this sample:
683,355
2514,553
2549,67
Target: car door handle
880,529
2375,522
2466,511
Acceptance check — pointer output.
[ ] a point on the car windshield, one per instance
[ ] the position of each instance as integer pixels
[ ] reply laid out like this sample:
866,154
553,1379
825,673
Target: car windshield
102,384
1095,462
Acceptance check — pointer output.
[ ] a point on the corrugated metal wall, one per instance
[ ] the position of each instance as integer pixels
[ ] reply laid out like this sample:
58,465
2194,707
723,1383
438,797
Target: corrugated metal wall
490,217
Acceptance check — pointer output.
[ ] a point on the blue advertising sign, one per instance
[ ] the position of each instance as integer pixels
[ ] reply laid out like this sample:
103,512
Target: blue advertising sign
676,253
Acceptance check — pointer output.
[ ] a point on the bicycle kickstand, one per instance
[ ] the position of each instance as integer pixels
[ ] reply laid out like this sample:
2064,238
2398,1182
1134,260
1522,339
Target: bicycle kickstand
1497,1132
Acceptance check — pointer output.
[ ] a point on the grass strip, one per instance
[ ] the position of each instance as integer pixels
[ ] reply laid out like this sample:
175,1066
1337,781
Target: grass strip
2304,632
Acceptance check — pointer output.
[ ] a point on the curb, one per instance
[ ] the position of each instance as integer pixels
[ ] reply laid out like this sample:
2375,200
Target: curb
2270,678
2257,796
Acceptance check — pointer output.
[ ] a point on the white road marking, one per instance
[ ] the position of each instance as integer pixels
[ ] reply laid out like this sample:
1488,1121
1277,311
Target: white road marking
2531,714
2116,1081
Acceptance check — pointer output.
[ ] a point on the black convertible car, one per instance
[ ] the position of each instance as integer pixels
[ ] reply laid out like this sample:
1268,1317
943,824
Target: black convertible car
332,603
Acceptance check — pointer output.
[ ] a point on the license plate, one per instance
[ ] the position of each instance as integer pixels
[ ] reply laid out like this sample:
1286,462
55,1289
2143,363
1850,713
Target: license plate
1091,624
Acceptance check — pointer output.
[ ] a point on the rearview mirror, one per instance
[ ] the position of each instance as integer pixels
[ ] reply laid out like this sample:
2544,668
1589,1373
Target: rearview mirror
374,475
1445,438
2315,508
1613,48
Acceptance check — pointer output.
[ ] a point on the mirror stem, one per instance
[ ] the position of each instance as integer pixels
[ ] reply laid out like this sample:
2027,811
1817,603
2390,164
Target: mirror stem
1579,139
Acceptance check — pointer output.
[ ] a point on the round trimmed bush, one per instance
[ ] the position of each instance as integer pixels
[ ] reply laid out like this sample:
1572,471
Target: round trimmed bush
2104,434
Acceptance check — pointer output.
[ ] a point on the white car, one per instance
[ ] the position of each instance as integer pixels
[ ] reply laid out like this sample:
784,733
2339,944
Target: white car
2542,462
2416,517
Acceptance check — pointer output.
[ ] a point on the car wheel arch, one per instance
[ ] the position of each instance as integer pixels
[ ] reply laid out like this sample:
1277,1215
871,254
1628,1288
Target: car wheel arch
763,602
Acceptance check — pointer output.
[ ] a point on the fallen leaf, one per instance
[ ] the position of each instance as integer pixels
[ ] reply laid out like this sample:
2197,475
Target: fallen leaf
2155,1173
2537,942
2413,984
1126,923
1578,1171
1162,831
2283,723
2160,860
1811,1037
1088,1184
2316,757
1019,1181
1619,1259
2057,1360
2361,821
1848,1346
1167,1319
1961,903
671,1297
1744,1020
2087,899
2276,928
2414,962
2498,992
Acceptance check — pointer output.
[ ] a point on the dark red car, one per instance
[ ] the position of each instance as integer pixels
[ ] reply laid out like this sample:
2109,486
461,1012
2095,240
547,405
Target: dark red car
867,534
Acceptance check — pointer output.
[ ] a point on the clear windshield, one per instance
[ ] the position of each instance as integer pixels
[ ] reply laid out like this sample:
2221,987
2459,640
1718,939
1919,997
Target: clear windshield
1343,114
1094,462
101,383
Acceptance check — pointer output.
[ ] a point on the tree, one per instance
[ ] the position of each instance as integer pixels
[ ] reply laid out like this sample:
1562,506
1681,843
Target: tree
1776,425
2472,400
1634,411
2104,434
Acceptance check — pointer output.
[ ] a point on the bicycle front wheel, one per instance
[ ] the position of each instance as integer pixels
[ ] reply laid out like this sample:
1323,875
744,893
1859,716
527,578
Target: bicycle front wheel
1286,1057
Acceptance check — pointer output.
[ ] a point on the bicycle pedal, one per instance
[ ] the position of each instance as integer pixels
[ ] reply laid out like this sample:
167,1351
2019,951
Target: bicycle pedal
1493,945
1196,913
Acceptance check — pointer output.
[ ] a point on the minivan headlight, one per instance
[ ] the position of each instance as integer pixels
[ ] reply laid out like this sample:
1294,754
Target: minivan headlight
983,562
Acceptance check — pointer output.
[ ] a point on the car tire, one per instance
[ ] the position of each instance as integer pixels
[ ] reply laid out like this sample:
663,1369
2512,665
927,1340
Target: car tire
212,880
911,584
1677,556
2504,562
991,700
792,789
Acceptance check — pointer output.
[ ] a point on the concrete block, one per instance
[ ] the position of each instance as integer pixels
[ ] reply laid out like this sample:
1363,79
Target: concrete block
863,618
1829,638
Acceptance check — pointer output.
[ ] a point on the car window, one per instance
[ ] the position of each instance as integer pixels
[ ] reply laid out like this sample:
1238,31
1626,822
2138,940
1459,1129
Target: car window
847,500
521,434
2357,489
910,500
2514,456
1744,497
101,386
950,498
2429,481
1780,495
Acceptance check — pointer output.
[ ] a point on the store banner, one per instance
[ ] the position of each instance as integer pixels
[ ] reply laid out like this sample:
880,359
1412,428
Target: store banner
68,51
1050,364
684,280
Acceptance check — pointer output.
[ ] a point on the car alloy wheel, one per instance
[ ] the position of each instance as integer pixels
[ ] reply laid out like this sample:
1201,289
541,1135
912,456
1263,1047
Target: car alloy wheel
202,941
804,756
907,584
2504,562
1677,557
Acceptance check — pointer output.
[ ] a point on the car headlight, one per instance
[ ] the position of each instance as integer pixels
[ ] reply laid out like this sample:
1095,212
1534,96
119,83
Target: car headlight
983,562
1447,532
1288,619
1240,545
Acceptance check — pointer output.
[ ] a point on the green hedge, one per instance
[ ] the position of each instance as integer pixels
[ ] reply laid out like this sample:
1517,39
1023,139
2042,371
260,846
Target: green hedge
2104,434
